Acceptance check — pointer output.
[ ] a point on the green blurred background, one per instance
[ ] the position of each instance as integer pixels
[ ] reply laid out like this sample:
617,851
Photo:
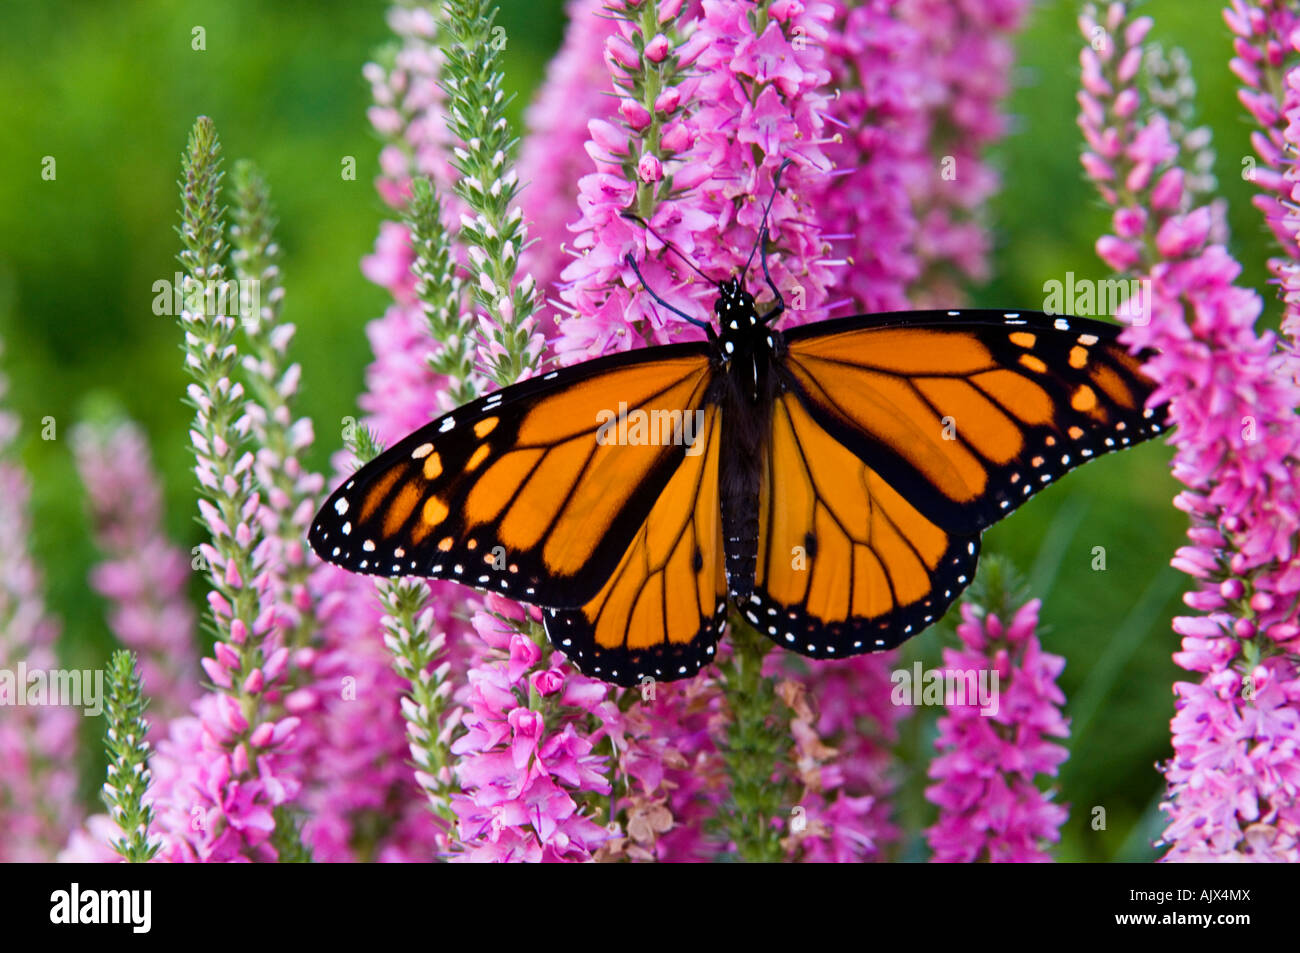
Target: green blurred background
110,89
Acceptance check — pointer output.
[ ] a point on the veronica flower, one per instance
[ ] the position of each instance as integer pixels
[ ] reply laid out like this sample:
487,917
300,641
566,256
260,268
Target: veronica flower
143,575
290,489
528,765
1232,784
1269,69
38,780
408,105
670,776
880,153
843,726
128,768
221,775
553,156
709,109
492,229
990,806
964,63
1265,50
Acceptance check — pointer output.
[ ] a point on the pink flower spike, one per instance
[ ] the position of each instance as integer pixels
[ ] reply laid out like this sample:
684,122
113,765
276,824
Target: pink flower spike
992,750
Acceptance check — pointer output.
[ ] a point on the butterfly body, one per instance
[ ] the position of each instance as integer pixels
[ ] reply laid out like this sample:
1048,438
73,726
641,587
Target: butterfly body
830,482
745,354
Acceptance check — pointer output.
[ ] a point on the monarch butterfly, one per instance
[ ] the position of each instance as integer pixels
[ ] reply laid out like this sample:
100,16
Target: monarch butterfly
831,481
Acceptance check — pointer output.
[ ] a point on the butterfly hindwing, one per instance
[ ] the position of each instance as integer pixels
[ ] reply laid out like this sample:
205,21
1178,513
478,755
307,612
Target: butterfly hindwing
846,564
968,414
663,608
531,491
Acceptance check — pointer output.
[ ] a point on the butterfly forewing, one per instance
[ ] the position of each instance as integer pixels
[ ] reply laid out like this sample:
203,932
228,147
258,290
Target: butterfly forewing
529,491
968,414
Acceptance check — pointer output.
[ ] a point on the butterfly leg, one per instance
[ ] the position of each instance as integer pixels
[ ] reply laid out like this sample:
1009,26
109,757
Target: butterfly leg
631,262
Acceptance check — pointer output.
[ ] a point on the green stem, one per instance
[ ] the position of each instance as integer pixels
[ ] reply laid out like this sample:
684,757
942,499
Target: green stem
755,752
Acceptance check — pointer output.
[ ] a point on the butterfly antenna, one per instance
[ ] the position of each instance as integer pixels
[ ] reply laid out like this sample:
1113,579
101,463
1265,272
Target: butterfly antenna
669,245
762,229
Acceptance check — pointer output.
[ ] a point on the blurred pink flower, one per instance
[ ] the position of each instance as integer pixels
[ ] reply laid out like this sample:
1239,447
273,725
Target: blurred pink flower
962,73
408,109
143,575
89,843
844,727
38,777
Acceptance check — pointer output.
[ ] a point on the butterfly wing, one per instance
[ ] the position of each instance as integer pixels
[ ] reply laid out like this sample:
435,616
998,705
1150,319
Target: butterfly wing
970,413
845,563
662,610
898,438
530,491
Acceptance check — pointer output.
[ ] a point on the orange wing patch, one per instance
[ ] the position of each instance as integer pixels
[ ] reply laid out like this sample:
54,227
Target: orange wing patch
661,611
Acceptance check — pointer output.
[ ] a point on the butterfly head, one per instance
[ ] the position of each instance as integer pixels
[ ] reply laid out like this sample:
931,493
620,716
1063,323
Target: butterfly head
734,307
